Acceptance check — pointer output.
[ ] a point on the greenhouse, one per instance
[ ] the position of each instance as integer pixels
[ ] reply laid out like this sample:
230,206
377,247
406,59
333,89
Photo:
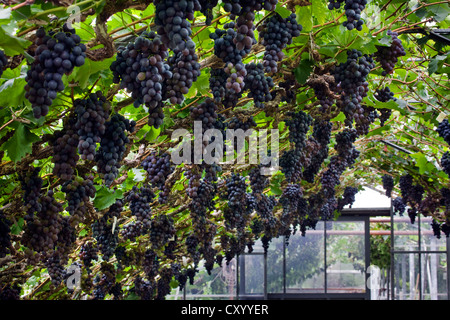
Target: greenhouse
218,151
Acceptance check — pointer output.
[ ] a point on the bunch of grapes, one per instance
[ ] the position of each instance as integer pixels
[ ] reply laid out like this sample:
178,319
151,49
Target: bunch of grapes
88,252
224,46
106,283
10,292
290,199
57,53
388,184
217,82
140,68
258,182
236,75
158,168
384,95
185,70
202,195
350,77
276,33
291,165
258,84
206,8
55,269
321,134
78,193
345,158
31,185
206,112
353,9
140,200
444,130
348,197
92,114
3,61
171,19
236,196
42,230
150,263
245,13
107,238
298,124
5,236
388,56
161,230
113,146
65,154
445,163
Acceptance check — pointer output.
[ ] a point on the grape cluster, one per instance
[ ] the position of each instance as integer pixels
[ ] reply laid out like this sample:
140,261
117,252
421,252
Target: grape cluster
55,269
107,240
291,166
298,124
5,237
444,130
113,146
106,283
353,9
78,193
236,75
158,168
140,68
388,184
350,77
185,70
3,61
171,19
206,112
57,53
224,46
206,8
161,230
92,114
236,196
139,200
9,292
88,252
276,33
42,231
445,163
388,56
31,185
150,263
258,84
291,199
258,182
348,198
384,95
321,134
202,193
65,154
411,193
345,158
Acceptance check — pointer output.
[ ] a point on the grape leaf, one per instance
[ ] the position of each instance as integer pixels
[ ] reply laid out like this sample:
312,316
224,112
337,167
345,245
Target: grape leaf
20,143
104,198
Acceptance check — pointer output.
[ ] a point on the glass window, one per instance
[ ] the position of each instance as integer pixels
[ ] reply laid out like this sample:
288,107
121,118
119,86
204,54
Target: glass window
345,257
305,262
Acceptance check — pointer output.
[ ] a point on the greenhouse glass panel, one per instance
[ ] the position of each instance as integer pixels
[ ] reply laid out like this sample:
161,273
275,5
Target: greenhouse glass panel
406,276
275,256
345,257
406,234
305,262
251,276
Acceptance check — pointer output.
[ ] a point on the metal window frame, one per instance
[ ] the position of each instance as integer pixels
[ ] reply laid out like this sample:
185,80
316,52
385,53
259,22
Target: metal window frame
357,215
419,252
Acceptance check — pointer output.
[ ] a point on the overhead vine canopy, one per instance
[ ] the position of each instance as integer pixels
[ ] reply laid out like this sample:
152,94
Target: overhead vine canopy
91,92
